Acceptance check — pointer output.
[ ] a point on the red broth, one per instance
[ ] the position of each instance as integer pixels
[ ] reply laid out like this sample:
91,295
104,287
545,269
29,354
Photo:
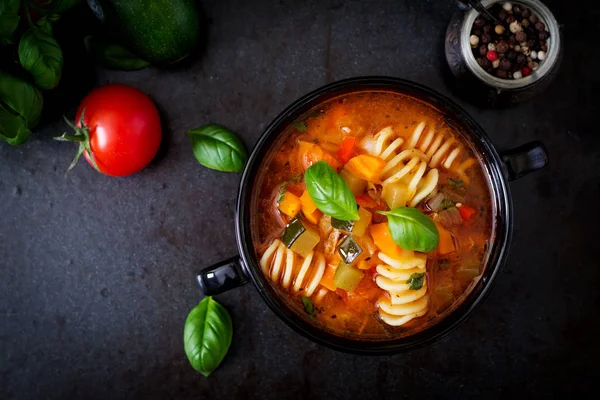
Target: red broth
463,217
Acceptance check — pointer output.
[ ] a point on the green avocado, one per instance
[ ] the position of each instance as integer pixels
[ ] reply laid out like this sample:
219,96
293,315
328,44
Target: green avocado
162,32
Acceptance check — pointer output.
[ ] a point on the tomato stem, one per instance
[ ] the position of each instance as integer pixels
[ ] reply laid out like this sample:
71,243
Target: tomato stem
82,137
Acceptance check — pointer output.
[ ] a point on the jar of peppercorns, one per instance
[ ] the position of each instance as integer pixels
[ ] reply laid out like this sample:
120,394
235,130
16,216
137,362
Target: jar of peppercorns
505,60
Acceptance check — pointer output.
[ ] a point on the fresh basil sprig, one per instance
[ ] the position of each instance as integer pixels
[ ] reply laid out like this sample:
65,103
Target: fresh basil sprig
330,193
207,335
216,147
40,54
9,20
113,56
20,108
411,229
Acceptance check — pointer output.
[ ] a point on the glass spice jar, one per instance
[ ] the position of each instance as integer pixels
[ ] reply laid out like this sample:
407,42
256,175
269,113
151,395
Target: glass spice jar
473,82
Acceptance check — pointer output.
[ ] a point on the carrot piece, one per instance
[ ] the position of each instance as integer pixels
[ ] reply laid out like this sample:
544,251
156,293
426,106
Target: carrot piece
466,212
327,279
310,153
308,205
346,150
383,240
446,244
290,204
364,200
365,167
313,217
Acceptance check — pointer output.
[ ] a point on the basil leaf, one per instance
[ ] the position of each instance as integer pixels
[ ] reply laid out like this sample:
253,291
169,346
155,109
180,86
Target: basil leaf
9,19
218,148
21,98
411,229
45,24
112,55
60,6
308,306
41,55
455,183
415,282
13,128
207,335
330,193
300,126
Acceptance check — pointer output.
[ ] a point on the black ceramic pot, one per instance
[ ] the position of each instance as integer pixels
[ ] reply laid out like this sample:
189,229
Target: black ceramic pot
499,168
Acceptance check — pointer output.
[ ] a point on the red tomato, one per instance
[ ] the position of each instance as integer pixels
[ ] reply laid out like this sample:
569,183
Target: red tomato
124,129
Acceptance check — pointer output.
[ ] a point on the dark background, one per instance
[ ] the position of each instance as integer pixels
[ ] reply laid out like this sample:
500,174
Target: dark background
97,273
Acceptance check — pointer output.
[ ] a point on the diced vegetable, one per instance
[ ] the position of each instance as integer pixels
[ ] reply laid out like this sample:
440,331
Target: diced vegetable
450,217
466,212
345,226
435,202
446,244
346,150
445,204
364,220
364,200
313,217
466,273
365,167
455,183
327,279
290,205
363,265
308,205
300,238
310,153
383,240
349,249
309,209
456,195
357,186
396,194
347,277
308,306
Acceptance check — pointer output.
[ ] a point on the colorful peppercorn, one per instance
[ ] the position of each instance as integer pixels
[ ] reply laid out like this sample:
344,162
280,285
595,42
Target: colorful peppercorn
491,55
526,71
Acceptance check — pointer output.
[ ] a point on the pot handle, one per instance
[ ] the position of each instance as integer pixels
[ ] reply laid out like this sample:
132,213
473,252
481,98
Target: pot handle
524,159
221,277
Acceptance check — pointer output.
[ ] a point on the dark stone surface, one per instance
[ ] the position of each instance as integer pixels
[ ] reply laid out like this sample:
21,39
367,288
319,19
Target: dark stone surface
98,272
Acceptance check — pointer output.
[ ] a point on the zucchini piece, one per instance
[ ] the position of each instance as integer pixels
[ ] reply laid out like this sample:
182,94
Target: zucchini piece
347,277
345,226
357,186
396,194
349,250
300,238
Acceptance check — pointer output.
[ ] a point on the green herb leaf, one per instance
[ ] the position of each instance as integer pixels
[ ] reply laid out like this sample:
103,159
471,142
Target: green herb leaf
411,229
112,55
415,282
40,54
300,126
218,148
13,128
308,306
9,20
60,6
455,183
330,193
445,204
20,98
207,335
281,193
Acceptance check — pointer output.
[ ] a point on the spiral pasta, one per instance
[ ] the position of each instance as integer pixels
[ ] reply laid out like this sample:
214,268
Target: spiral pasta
441,150
403,303
286,268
